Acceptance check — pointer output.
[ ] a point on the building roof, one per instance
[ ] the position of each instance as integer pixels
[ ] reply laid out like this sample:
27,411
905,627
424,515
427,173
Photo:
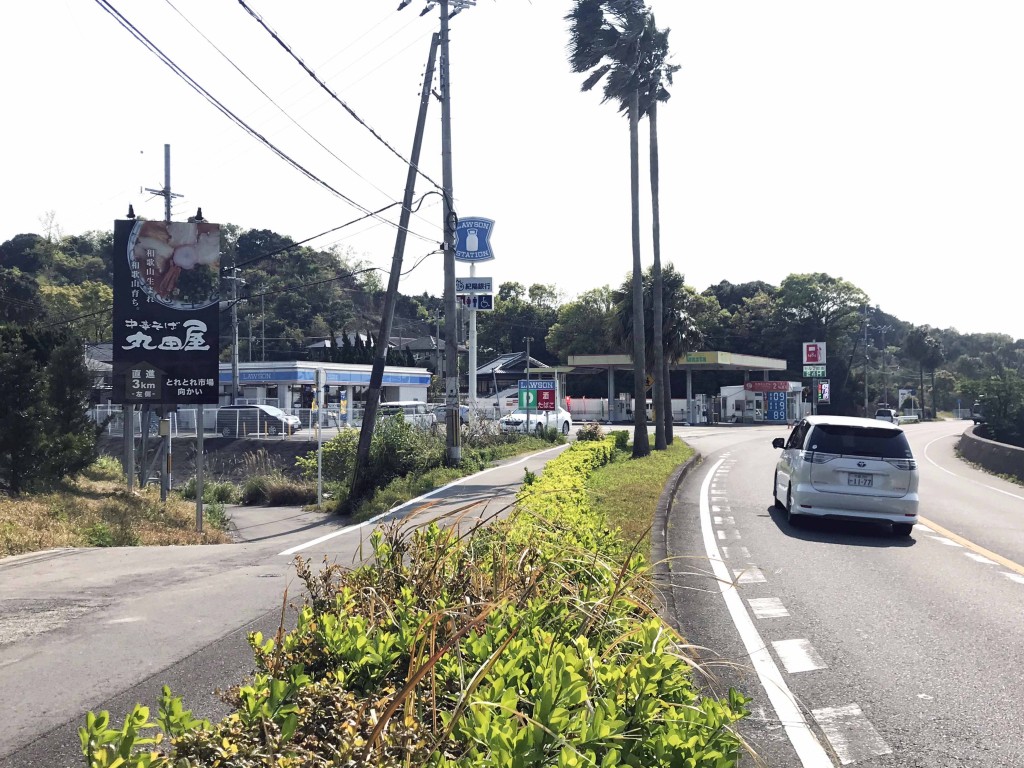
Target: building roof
512,362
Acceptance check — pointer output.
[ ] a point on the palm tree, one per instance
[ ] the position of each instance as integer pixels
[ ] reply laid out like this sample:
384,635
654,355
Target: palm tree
657,73
605,38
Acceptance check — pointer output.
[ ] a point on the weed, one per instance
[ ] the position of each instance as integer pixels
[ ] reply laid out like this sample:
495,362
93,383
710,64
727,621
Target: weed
215,514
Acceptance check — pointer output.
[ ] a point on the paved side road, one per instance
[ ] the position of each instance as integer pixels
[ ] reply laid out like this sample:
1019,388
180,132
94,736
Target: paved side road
90,629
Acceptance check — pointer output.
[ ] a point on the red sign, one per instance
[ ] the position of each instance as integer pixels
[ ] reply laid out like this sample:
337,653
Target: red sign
814,352
767,386
545,399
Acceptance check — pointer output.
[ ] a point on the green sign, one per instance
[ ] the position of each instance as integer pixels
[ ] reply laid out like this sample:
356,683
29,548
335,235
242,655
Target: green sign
527,399
814,371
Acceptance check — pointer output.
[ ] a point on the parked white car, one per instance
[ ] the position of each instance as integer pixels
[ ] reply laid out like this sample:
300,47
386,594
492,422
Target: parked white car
516,421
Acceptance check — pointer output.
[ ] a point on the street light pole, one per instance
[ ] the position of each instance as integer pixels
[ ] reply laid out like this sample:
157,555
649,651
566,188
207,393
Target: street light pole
527,339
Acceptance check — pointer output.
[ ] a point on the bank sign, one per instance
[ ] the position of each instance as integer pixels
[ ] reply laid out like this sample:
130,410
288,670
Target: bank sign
166,312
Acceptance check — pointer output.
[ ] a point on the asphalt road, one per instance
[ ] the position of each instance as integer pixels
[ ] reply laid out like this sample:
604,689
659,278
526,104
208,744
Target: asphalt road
857,646
876,650
92,629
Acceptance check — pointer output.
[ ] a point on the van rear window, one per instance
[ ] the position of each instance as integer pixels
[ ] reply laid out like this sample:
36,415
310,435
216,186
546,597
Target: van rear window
859,441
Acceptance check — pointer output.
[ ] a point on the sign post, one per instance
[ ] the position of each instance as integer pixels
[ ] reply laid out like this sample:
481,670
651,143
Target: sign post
814,363
536,393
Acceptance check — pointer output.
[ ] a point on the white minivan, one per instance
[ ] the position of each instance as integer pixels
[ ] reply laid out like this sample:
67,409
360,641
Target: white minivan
847,468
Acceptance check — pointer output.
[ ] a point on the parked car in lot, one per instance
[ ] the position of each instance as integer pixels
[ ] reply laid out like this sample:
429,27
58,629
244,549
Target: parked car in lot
887,414
242,420
439,413
414,411
847,468
516,421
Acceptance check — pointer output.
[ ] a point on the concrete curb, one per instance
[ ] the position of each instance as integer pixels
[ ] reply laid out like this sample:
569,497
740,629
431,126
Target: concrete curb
662,567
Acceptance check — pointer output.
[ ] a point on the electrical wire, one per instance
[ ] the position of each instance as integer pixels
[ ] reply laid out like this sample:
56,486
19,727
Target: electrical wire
331,93
281,109
134,31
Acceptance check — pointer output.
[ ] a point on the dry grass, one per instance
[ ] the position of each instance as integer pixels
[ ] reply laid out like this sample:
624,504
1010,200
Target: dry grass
95,510
627,490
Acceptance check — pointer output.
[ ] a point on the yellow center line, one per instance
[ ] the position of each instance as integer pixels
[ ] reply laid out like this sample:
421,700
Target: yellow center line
1006,563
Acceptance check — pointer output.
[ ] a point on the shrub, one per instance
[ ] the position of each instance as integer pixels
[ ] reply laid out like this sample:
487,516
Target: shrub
621,438
213,491
105,468
590,432
276,489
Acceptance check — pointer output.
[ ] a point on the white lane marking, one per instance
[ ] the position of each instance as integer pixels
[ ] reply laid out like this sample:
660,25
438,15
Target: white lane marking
808,749
768,608
749,575
850,733
372,520
798,655
944,540
962,477
741,553
980,558
726,520
126,620
1014,577
716,508
721,535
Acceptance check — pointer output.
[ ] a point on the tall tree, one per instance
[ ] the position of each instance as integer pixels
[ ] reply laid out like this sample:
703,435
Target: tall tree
656,74
605,42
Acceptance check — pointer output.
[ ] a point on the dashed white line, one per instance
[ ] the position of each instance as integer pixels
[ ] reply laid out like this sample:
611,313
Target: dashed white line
738,553
798,655
749,575
721,535
945,541
725,520
808,749
979,558
1014,577
768,608
850,733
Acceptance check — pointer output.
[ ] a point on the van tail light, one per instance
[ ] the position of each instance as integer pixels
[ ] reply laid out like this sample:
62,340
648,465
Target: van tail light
820,458
906,464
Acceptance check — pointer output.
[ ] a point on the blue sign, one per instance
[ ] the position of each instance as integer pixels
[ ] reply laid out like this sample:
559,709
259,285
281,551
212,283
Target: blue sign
776,406
536,384
472,240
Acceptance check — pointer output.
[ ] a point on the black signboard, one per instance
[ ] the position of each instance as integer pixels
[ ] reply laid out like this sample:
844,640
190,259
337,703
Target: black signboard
166,312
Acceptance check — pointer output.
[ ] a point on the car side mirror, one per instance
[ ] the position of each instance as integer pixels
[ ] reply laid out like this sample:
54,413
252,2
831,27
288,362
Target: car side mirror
779,442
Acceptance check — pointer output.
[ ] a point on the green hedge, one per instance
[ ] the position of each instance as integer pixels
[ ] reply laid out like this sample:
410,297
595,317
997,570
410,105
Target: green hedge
530,642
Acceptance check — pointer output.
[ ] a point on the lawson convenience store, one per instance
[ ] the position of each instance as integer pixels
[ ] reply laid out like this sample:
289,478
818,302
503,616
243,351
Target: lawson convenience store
290,385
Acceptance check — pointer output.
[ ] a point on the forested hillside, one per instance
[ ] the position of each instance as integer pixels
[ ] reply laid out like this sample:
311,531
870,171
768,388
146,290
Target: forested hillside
292,298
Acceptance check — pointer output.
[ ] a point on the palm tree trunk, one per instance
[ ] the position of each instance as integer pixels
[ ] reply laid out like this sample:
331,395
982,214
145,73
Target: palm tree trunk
641,443
663,420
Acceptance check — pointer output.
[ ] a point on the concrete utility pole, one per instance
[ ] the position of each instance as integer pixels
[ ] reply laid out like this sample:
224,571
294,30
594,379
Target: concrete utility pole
866,411
391,296
527,339
451,327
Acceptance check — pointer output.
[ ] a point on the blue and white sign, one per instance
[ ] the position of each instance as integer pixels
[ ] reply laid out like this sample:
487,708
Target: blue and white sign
474,285
536,384
472,240
775,406
479,301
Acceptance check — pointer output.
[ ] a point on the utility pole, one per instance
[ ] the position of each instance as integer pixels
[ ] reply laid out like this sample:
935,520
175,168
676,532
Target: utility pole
451,327
391,296
165,443
235,280
527,339
866,411
885,371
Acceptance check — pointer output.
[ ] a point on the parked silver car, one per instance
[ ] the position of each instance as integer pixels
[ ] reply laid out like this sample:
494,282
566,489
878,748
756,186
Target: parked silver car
847,468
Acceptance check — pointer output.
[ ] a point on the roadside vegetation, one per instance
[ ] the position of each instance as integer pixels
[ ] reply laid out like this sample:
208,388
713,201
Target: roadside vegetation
93,509
408,461
531,640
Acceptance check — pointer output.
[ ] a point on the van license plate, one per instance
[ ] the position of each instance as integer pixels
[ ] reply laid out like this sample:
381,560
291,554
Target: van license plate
861,479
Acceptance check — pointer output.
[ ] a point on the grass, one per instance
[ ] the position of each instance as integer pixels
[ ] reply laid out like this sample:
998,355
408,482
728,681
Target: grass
95,510
627,490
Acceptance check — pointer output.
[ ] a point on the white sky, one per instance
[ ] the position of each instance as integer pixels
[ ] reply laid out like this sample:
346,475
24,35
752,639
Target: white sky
881,142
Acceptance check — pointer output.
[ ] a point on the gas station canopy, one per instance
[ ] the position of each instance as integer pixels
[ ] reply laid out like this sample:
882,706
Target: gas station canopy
693,361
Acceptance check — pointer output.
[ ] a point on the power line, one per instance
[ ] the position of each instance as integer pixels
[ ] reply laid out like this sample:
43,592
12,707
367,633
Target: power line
120,18
331,93
269,98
